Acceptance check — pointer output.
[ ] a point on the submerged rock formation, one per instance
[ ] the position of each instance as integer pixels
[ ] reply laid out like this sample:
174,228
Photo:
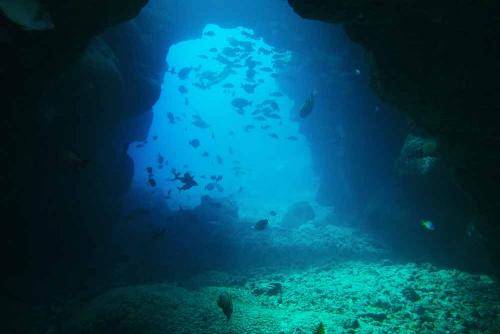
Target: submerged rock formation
69,91
438,63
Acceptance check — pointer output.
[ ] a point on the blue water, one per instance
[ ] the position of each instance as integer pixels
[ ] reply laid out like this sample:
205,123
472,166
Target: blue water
265,163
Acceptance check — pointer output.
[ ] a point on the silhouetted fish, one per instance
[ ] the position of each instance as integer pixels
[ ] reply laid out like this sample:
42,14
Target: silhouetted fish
194,142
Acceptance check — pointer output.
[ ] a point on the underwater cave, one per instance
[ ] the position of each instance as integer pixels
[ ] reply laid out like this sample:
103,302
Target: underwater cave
262,166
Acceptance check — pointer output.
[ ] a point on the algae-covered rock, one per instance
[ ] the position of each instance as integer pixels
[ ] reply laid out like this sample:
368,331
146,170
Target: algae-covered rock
298,214
418,156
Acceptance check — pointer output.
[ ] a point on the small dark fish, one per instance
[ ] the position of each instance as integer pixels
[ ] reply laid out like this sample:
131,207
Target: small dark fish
219,178
276,94
210,186
209,33
261,225
266,69
213,50
184,73
182,89
155,137
203,56
74,161
228,86
259,118
213,177
136,214
219,160
240,103
274,116
171,117
250,89
219,187
161,159
205,154
257,111
265,127
264,51
139,145
273,135
149,170
249,127
273,104
231,133
293,138
151,182
240,111
158,234
251,74
273,213
200,123
274,75
194,142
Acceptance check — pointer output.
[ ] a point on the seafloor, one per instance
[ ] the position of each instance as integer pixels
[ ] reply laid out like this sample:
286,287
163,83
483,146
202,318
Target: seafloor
348,297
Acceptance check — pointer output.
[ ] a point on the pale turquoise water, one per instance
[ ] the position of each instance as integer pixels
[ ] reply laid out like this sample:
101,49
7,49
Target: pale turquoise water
260,173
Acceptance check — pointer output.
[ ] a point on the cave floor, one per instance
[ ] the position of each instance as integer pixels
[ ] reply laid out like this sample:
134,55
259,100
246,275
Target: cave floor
348,297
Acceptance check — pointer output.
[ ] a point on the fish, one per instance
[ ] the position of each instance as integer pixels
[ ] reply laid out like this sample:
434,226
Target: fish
230,150
187,180
184,73
265,127
257,111
228,86
261,225
308,105
274,75
74,161
171,117
428,225
266,69
205,154
160,159
136,214
219,178
157,235
293,138
231,133
273,135
203,56
155,137
194,142
274,116
251,74
182,89
273,213
219,160
249,127
186,101
199,122
264,51
259,118
250,89
212,49
240,103
276,94
271,103
151,182
210,186
219,187
149,170
209,33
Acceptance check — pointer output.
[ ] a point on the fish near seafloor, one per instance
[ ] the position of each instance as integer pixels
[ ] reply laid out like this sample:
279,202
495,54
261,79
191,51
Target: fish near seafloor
308,105
428,225
74,161
225,302
261,225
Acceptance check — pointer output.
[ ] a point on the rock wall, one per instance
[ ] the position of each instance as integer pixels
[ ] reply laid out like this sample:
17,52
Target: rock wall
438,63
74,96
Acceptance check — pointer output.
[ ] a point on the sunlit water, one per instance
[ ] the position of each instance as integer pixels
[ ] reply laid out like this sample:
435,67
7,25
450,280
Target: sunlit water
264,161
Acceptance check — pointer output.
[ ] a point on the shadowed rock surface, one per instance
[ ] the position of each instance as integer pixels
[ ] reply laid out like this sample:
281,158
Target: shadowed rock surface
438,63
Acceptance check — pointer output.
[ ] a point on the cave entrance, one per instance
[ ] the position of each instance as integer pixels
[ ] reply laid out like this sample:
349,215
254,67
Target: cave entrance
223,119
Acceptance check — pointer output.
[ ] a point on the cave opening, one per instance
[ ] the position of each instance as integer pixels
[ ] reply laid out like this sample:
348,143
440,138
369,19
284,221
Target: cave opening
223,119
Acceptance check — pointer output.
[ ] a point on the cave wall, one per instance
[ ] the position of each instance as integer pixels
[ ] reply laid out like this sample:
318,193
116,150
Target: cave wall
83,88
436,62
